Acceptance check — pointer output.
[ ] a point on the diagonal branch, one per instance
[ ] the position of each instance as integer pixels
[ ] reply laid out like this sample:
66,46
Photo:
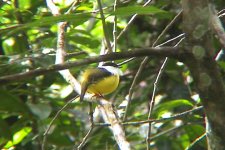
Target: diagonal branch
218,28
139,52
109,115
174,117
104,27
107,110
131,20
152,101
146,59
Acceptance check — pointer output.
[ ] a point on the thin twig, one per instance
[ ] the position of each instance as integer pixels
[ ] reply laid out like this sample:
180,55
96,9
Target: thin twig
130,21
176,116
72,6
217,26
144,62
126,61
221,15
104,27
131,90
221,11
139,52
60,58
51,123
90,130
55,11
166,131
170,40
190,147
117,129
115,28
19,58
60,54
167,28
109,115
72,55
152,102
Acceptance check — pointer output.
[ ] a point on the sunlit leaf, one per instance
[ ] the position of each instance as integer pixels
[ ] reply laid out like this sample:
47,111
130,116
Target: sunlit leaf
167,107
222,64
131,10
18,136
11,103
76,18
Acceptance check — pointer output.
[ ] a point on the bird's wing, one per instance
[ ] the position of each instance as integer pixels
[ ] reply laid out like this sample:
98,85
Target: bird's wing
92,76
98,74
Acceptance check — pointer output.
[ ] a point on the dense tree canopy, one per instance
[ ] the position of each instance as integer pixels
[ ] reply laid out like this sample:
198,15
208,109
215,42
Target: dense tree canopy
165,92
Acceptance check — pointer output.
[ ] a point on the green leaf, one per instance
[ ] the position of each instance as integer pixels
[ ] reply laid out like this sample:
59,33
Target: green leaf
222,64
169,106
131,10
11,103
40,110
59,138
87,41
194,131
18,137
15,45
77,19
5,132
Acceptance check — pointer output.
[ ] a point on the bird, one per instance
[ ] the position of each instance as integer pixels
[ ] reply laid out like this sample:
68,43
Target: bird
101,80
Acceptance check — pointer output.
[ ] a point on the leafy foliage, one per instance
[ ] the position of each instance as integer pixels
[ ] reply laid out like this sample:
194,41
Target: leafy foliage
28,41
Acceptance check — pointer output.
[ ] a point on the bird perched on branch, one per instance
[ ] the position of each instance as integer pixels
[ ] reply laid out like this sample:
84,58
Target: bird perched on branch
101,80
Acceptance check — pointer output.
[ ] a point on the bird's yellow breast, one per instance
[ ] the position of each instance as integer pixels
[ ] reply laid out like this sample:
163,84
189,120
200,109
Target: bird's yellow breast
105,86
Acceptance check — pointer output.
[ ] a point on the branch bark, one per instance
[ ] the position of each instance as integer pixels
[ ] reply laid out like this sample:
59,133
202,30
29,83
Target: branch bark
106,107
218,27
109,115
204,69
139,52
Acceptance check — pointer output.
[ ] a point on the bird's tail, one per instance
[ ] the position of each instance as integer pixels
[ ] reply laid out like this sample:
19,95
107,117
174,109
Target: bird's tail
84,87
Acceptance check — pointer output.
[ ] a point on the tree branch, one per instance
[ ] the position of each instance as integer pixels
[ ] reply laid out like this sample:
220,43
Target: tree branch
139,52
176,116
152,101
204,69
131,20
145,60
90,130
110,116
190,147
60,57
52,121
107,110
104,27
217,27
